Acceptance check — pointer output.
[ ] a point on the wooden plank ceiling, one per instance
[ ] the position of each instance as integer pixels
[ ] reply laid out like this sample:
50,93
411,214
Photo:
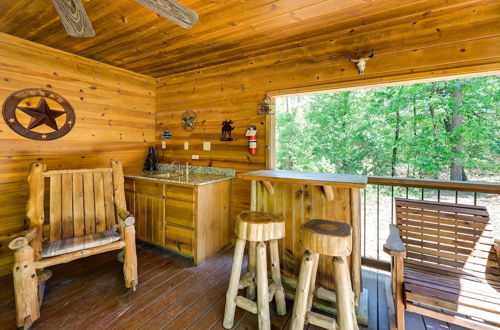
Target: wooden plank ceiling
133,37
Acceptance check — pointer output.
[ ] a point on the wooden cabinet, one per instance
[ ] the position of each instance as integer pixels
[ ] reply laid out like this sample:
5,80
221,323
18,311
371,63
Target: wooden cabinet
193,221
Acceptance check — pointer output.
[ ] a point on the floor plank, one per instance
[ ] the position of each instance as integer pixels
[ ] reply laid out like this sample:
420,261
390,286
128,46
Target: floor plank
172,294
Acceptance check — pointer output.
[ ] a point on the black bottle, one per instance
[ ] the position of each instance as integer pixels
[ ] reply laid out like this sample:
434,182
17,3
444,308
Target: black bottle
151,162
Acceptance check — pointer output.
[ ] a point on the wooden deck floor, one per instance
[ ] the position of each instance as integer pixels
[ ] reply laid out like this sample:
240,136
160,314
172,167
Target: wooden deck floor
89,294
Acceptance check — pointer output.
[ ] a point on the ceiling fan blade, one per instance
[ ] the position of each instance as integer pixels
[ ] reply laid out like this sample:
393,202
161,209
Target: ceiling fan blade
172,10
74,18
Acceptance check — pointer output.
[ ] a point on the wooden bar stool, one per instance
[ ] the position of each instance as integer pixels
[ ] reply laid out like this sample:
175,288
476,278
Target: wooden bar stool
333,239
257,228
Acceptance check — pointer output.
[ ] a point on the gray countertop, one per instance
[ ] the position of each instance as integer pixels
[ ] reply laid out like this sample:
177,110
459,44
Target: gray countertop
198,175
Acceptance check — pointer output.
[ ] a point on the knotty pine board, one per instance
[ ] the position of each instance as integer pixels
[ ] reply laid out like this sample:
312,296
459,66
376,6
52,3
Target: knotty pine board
115,116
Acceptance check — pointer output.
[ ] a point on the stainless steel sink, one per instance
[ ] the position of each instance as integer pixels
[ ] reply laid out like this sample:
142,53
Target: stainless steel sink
167,175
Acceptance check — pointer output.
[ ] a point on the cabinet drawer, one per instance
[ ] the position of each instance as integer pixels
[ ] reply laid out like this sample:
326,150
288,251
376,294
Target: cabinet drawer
179,240
179,212
179,192
149,188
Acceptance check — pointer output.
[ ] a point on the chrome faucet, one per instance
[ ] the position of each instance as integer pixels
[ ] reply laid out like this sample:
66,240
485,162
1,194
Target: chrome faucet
178,166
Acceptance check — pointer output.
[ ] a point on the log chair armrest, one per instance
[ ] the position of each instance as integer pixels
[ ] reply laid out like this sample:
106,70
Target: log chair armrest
496,244
125,218
24,238
394,246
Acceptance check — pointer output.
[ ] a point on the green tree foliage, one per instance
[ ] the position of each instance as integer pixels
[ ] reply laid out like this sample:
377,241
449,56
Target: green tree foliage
446,129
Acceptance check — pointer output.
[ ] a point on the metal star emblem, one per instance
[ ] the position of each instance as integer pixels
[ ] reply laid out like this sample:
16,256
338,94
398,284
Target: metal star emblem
42,115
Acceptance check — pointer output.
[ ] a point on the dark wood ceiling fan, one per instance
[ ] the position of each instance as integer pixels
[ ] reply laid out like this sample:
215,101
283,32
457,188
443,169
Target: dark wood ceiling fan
77,23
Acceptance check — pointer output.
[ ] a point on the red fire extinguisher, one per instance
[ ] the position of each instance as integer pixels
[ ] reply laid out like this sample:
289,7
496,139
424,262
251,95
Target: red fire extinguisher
252,140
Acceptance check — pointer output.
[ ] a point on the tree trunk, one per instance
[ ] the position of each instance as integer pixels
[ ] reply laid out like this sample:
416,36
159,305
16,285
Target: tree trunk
395,146
455,121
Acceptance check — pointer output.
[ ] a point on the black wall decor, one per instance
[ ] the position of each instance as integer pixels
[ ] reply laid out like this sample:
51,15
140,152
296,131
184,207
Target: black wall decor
38,114
227,130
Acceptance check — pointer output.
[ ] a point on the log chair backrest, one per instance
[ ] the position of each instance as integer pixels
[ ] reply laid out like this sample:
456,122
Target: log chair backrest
81,202
446,236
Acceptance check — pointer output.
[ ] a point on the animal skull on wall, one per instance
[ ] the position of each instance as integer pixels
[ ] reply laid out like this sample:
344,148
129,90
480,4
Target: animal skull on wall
361,62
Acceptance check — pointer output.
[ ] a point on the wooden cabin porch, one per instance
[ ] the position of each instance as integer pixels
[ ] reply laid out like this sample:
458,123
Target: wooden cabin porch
156,123
88,294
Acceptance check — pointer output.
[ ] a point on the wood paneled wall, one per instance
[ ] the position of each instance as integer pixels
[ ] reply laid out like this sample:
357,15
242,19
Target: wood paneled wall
115,116
456,38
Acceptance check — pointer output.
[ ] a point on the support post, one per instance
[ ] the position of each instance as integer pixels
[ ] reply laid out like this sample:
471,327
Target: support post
398,293
26,286
130,258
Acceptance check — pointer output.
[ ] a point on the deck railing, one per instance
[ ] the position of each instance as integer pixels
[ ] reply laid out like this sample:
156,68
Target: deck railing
377,208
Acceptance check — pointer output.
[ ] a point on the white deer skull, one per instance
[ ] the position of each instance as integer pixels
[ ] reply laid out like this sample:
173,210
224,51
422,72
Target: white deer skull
361,62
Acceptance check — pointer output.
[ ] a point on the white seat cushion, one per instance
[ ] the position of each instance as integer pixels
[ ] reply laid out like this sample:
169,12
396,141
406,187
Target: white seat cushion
73,244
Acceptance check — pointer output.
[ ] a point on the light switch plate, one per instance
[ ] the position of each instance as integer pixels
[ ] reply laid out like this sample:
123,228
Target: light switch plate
206,146
195,156
163,144
186,145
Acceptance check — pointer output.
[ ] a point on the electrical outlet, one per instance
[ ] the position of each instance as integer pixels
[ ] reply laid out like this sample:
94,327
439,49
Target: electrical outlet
163,144
206,146
195,156
186,145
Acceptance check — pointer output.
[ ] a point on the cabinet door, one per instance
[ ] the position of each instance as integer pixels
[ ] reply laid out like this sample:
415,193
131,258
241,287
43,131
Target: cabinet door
150,218
150,212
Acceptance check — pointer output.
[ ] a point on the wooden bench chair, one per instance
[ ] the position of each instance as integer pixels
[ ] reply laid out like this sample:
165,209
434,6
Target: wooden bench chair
88,216
445,263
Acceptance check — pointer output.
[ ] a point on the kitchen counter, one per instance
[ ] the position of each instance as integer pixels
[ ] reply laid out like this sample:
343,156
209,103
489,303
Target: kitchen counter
192,179
185,214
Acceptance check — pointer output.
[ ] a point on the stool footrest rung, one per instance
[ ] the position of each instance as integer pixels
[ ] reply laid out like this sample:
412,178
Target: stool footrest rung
246,280
321,320
246,304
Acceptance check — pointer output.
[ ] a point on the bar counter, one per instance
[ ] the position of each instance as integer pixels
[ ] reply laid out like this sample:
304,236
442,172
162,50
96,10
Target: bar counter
299,197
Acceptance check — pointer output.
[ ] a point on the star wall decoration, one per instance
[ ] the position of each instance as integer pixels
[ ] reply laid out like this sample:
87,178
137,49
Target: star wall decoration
45,121
42,114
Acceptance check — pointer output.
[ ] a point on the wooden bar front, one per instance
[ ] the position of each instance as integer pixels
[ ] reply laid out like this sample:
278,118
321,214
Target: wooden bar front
300,197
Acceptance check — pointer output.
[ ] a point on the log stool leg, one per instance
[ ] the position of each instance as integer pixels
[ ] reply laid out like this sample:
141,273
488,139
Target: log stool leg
251,268
26,287
262,288
279,296
302,292
346,314
312,286
232,290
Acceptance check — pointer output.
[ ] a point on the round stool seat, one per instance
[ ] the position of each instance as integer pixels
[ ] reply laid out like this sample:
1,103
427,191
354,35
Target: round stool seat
326,237
259,226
